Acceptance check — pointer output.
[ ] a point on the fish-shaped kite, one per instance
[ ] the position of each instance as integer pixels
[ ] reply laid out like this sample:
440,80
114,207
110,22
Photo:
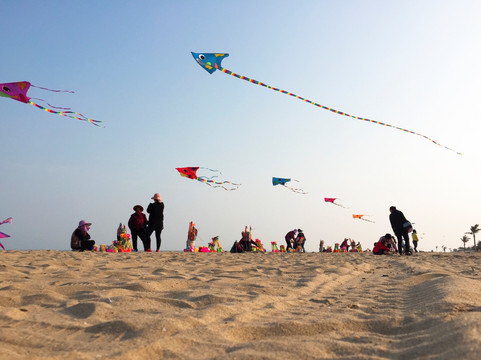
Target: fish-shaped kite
332,201
361,217
191,173
212,62
283,181
18,91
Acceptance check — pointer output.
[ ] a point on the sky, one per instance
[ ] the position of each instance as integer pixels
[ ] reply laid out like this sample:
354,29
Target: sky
412,64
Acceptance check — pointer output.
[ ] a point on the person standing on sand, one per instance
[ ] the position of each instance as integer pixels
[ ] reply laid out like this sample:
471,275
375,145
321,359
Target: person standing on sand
156,219
415,240
80,237
400,226
138,227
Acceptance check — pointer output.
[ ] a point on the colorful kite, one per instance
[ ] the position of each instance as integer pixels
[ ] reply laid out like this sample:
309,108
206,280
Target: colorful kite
18,91
360,217
282,181
212,62
191,173
332,201
3,235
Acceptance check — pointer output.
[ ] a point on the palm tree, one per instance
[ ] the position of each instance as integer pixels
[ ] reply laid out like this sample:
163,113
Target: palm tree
464,239
474,230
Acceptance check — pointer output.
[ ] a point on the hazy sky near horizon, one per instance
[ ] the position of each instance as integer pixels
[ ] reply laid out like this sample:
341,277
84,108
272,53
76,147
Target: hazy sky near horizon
412,64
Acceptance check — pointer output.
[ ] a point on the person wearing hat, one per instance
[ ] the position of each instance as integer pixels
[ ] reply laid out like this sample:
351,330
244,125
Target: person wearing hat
300,240
156,219
80,239
290,238
138,228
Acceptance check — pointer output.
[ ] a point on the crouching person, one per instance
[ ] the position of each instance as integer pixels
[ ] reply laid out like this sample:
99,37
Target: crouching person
80,239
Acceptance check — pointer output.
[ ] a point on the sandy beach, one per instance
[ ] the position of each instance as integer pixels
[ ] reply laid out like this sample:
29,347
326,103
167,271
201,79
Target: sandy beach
59,305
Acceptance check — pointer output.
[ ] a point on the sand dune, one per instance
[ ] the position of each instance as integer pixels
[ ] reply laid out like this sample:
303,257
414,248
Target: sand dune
60,305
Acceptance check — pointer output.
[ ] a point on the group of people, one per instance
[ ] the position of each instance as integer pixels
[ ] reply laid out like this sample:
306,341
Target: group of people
138,224
295,239
401,227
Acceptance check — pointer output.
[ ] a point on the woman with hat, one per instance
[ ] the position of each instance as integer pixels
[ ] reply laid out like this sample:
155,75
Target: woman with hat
156,219
80,237
138,228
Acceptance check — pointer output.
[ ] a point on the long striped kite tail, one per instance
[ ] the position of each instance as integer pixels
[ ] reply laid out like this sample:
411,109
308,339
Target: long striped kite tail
242,77
70,114
221,184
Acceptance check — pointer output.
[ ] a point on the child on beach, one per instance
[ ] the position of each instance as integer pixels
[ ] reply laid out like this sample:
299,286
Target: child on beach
415,240
380,247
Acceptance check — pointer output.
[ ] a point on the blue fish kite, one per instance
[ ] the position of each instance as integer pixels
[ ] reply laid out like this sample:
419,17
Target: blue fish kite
212,62
283,181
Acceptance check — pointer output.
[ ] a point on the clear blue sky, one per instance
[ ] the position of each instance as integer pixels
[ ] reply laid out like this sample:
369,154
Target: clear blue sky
413,64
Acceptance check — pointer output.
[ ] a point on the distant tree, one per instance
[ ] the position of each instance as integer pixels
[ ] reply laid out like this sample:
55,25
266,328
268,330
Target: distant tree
465,239
474,230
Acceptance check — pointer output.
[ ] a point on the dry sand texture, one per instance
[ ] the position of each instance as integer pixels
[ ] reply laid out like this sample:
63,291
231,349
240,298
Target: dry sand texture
59,305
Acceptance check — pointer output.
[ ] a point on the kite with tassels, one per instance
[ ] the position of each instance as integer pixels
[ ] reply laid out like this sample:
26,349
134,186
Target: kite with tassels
212,62
18,91
191,173
361,217
3,235
283,181
333,201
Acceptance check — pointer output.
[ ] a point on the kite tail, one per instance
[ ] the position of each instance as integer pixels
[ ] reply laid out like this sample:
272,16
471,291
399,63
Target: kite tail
2,246
217,184
68,114
330,109
214,176
299,191
340,205
6,221
55,107
38,87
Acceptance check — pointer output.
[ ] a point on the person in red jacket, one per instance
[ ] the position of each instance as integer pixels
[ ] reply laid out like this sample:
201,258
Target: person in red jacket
138,228
380,248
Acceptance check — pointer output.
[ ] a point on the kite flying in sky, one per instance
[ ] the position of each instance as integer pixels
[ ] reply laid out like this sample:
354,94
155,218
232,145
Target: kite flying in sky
18,91
360,217
3,235
212,62
332,201
282,181
191,173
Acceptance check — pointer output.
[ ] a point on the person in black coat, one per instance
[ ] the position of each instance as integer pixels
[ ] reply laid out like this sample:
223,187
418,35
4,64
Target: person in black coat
156,219
401,227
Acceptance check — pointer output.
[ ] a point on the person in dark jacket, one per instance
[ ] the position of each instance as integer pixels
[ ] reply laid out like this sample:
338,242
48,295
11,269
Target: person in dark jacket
80,237
156,219
401,227
290,238
138,227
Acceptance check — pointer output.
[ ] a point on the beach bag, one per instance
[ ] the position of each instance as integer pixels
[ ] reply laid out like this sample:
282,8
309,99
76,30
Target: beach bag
408,226
75,242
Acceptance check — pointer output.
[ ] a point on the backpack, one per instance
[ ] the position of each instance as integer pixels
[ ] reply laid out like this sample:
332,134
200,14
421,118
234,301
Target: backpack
75,242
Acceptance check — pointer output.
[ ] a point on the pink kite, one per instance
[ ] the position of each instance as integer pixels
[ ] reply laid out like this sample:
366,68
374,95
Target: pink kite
3,235
332,201
191,173
18,91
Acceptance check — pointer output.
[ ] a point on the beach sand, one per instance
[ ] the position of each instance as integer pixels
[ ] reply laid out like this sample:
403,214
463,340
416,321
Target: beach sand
172,305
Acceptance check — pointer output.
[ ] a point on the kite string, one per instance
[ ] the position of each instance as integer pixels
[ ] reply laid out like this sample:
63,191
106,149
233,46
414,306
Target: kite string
67,114
242,77
67,91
